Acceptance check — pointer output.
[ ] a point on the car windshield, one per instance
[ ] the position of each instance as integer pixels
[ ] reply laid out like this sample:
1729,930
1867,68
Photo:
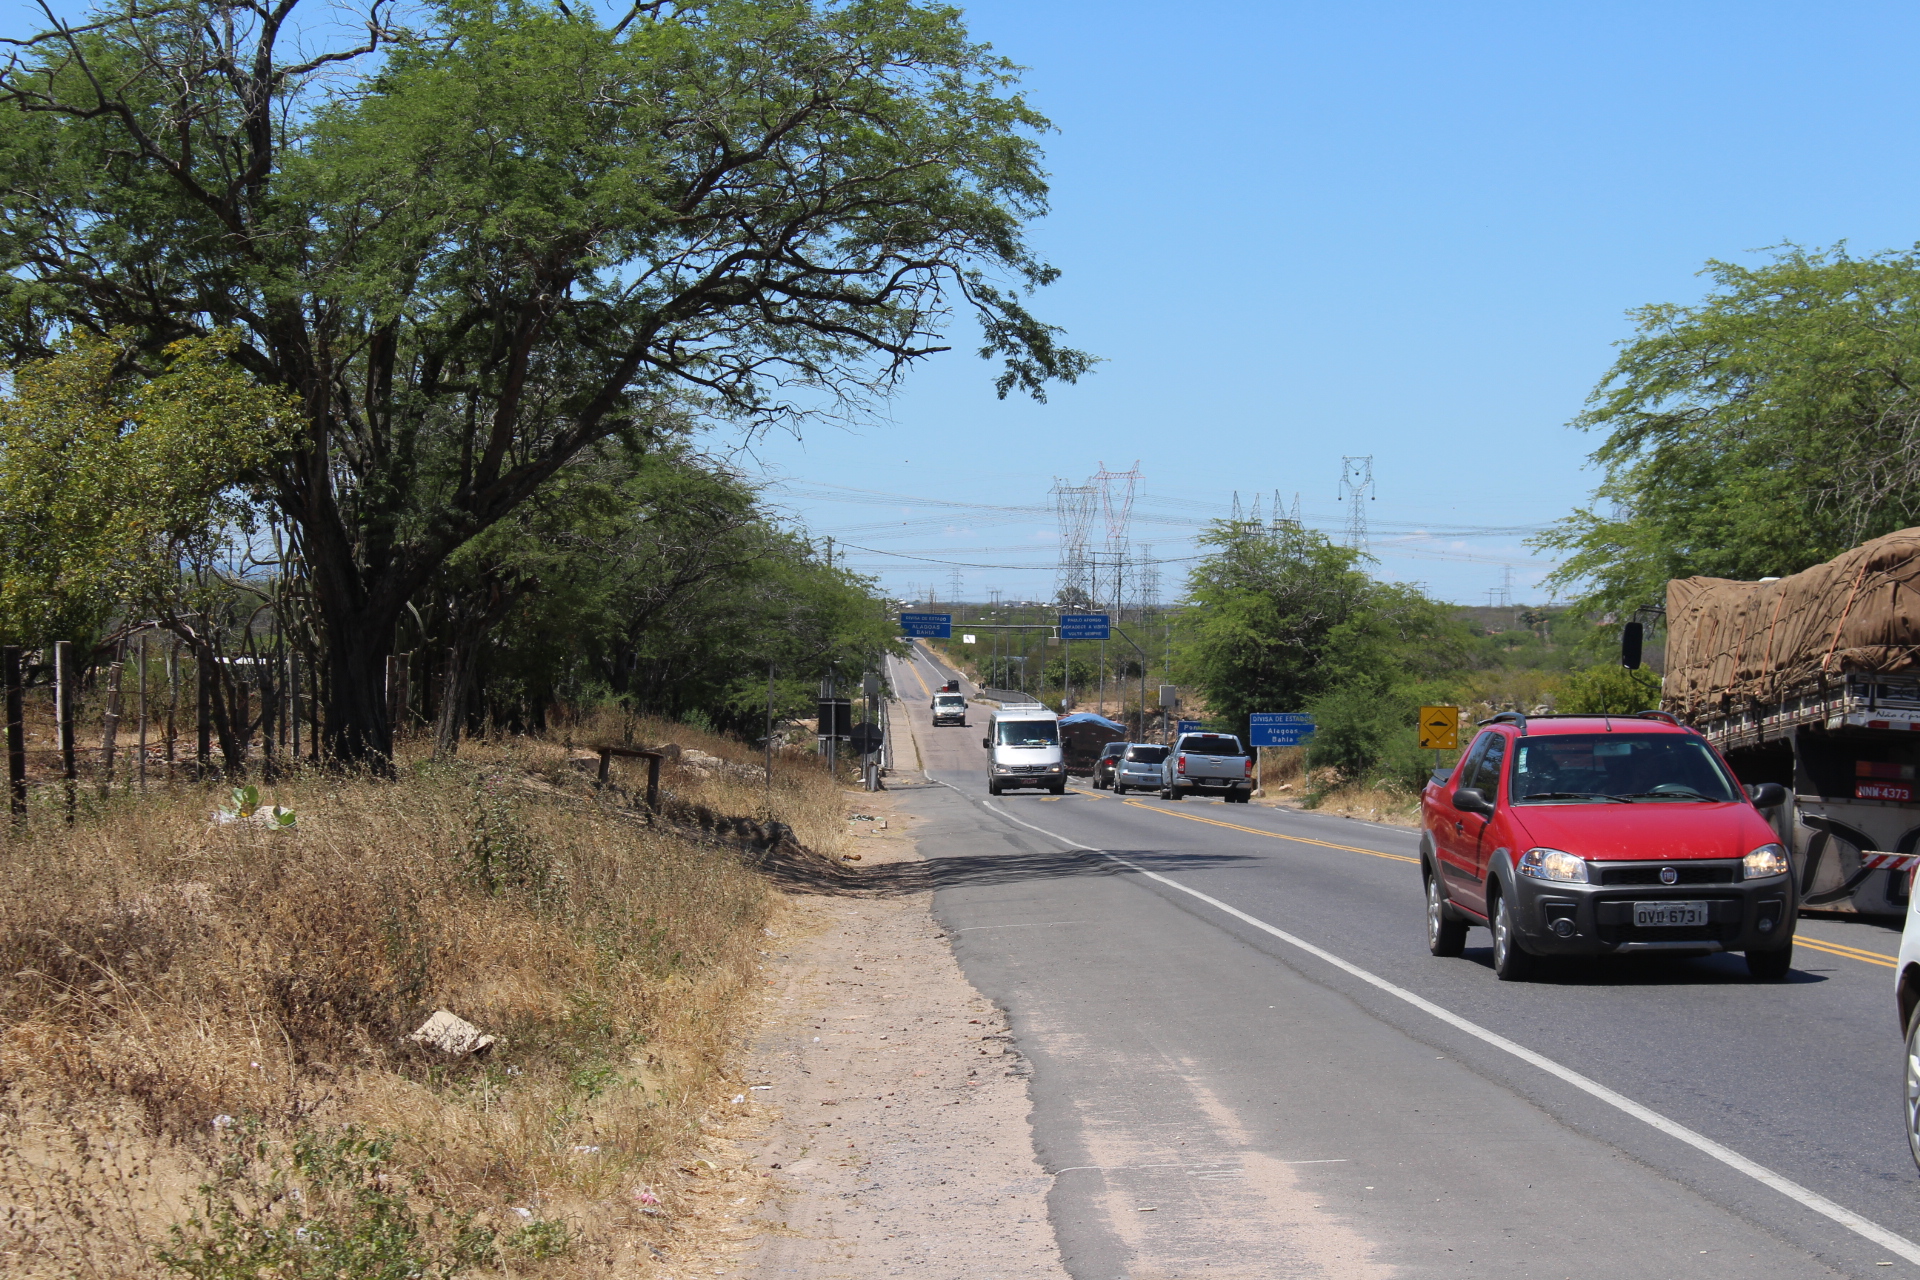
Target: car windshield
1147,755
951,700
1603,768
1114,749
1211,744
1029,733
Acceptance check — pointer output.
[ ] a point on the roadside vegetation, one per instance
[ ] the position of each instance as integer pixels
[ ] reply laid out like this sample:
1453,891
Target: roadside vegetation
363,456
206,1020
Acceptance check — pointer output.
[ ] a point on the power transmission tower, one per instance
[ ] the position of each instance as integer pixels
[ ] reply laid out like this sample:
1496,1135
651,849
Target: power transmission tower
1149,579
953,586
1075,505
1116,508
1501,597
1356,488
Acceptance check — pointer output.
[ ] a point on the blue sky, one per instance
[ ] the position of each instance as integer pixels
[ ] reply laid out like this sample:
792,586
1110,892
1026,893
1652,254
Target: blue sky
1297,233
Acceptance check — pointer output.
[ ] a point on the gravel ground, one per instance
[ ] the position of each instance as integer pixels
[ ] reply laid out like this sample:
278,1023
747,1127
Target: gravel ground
896,1127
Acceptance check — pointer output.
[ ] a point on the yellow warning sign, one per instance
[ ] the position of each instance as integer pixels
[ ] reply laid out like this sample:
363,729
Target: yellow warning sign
1440,728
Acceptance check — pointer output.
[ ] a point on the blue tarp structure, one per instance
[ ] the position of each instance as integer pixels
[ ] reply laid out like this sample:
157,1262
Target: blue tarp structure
1083,733
1088,717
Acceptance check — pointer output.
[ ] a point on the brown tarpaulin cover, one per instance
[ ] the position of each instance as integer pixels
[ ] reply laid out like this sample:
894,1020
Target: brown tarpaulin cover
1732,645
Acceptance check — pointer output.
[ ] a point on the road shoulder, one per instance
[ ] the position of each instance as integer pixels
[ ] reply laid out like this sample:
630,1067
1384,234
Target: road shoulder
897,1110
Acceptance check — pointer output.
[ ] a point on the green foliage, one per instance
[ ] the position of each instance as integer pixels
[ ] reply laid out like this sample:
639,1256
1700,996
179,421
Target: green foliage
1266,608
1282,617
503,856
1085,674
1762,431
110,476
1369,736
503,232
339,1212
246,805
1609,687
659,581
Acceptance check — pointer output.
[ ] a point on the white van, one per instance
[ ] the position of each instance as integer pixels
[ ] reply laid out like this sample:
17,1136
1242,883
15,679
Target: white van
1023,749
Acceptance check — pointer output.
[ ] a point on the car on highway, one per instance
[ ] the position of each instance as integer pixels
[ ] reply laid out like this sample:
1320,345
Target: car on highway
1139,768
1603,835
1906,996
1023,749
1207,764
1104,763
950,708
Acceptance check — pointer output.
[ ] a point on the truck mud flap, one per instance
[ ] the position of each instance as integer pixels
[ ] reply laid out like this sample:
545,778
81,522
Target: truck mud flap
1817,847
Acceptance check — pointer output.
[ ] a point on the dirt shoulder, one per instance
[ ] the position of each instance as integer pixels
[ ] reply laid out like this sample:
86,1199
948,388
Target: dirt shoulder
888,1108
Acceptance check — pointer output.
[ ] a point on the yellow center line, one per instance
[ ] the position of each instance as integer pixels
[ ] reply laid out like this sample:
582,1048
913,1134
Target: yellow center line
1847,953
1273,835
915,668
1831,948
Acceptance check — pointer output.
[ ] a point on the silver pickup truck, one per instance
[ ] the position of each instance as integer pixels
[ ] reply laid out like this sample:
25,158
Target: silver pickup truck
1207,763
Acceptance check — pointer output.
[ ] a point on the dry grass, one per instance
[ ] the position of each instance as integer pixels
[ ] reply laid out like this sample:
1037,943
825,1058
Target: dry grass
189,1003
1285,779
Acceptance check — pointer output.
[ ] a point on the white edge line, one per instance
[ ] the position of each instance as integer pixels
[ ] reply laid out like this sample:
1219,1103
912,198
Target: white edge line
1888,1240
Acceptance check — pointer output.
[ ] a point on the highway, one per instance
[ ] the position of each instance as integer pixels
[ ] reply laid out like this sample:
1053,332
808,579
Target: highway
1245,1062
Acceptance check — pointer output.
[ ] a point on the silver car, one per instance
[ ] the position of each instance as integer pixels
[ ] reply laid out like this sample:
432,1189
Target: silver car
1138,769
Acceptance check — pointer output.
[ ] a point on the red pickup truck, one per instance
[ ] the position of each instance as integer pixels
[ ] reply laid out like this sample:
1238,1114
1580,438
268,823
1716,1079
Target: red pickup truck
1603,835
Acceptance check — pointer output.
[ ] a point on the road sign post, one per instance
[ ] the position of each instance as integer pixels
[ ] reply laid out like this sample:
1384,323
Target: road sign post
927,626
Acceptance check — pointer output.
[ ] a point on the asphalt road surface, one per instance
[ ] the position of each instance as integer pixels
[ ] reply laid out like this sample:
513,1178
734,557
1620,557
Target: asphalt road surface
1247,1064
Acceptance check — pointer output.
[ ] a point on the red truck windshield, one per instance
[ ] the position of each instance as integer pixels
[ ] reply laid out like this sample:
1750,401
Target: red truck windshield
1603,767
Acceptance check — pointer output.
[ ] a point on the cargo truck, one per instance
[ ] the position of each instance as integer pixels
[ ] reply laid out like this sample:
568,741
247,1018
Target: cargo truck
1813,682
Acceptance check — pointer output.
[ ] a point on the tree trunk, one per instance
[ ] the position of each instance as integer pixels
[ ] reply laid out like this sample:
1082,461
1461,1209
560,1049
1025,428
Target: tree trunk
358,731
455,691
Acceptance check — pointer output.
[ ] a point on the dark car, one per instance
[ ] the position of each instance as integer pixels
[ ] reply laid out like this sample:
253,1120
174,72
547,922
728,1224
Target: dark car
1103,765
1603,835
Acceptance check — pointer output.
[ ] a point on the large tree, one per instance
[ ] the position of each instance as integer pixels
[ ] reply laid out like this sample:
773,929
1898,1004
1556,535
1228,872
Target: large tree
1766,429
474,246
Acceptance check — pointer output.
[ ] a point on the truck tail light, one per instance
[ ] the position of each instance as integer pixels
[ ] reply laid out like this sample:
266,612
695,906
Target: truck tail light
1181,767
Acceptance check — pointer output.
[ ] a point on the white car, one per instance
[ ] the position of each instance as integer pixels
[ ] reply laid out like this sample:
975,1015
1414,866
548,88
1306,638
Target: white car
1906,992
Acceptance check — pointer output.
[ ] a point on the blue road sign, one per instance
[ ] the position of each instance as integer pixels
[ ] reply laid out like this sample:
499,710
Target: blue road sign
1278,729
1084,626
931,626
1186,726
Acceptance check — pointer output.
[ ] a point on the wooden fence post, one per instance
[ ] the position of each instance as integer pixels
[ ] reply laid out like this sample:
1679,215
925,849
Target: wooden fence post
293,704
16,736
110,728
63,720
173,706
143,712
203,748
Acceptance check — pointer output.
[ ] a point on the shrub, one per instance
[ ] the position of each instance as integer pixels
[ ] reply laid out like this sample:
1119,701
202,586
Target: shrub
1609,688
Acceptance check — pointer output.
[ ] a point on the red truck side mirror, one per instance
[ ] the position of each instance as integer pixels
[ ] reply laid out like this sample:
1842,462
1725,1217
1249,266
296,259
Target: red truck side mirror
1469,800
